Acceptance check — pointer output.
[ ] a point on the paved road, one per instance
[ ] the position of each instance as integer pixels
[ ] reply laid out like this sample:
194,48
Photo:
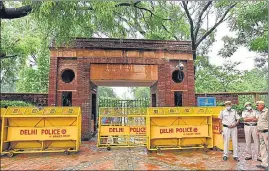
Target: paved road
92,158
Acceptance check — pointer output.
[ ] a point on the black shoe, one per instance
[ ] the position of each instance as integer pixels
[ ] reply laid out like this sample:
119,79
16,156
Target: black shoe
261,167
236,159
248,158
259,160
225,158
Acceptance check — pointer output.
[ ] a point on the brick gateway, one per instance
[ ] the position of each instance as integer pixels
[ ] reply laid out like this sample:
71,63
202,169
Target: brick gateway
76,72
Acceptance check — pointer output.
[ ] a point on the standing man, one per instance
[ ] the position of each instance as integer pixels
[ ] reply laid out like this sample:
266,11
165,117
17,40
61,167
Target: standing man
250,117
229,119
263,133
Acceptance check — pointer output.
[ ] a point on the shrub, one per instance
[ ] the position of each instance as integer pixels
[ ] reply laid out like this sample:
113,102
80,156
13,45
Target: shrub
4,103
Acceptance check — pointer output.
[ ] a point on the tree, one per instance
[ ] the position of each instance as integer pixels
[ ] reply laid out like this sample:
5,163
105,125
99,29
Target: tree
211,78
228,75
227,78
106,92
169,18
155,20
48,21
250,23
140,92
206,81
29,66
254,80
61,21
196,13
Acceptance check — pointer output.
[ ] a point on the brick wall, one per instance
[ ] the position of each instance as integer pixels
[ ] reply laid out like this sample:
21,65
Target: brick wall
43,98
84,96
220,97
34,98
166,87
53,76
153,90
82,88
85,52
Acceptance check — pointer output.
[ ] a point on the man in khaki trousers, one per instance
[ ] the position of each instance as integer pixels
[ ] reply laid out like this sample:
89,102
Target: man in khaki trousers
262,126
229,119
250,117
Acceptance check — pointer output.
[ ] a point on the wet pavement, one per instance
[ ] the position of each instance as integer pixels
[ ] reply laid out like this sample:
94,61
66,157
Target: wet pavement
92,158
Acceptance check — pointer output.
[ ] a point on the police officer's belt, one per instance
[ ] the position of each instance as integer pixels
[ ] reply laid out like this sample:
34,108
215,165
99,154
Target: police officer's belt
263,131
248,124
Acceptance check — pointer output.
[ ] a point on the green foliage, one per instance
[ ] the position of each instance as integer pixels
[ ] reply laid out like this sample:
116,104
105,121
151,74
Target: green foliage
220,104
106,92
226,78
35,80
4,103
140,92
253,80
29,38
239,108
29,69
211,78
260,44
250,22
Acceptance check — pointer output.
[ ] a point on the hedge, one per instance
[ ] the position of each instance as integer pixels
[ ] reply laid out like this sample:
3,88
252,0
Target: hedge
4,103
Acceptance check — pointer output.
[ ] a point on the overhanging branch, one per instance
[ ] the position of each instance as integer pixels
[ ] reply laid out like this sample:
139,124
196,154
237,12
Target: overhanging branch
4,56
12,13
216,25
191,23
200,19
135,5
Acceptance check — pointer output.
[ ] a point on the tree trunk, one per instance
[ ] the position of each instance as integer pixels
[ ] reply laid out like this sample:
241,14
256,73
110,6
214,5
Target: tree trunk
11,13
194,57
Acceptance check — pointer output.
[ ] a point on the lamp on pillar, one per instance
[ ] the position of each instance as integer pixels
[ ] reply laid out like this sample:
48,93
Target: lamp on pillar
180,65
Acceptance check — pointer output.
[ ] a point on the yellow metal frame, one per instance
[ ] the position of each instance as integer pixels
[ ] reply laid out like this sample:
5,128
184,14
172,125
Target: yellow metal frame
27,117
126,113
209,138
3,111
161,112
168,112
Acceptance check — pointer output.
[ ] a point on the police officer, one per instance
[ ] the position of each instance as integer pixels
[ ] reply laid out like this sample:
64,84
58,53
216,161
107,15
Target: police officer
262,126
250,117
229,120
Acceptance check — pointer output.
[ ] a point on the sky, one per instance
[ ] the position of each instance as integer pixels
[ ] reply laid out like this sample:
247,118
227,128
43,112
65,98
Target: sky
242,54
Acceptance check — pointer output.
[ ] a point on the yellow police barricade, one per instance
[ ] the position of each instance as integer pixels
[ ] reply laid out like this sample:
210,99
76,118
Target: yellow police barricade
31,130
2,112
179,128
217,136
121,127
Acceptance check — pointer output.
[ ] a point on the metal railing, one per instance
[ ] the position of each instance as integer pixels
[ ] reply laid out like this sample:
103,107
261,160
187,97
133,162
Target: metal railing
237,97
103,102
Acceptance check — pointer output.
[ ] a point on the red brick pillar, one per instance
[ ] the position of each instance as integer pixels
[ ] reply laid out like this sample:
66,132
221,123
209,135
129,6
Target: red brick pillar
166,86
83,96
52,97
191,84
161,89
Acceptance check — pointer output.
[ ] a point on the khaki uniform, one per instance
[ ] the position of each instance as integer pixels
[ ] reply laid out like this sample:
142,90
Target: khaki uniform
250,129
228,118
263,136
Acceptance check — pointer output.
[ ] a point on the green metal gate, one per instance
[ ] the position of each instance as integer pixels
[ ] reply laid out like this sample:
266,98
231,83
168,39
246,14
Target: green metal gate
103,102
123,115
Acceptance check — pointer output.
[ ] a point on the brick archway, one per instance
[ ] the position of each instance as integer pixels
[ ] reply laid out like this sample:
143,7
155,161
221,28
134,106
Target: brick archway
152,61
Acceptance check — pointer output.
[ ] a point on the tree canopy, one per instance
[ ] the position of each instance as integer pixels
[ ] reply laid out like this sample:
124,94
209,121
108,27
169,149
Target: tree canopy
28,28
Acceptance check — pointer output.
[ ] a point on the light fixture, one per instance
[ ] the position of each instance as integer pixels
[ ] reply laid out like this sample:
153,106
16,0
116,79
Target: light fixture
180,65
